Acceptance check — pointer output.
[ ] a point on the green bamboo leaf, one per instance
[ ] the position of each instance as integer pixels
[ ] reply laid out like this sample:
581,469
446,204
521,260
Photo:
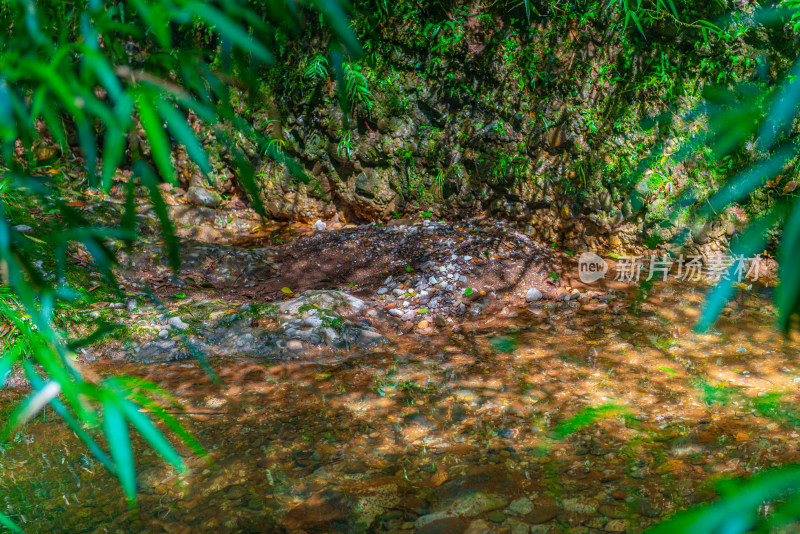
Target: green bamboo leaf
201,104
154,14
174,425
181,131
783,111
749,180
88,145
9,524
219,91
235,33
202,108
635,19
248,182
785,514
55,83
8,132
128,221
7,362
38,101
119,444
751,242
32,23
159,144
142,424
98,334
255,21
787,296
99,64
113,152
709,26
337,64
738,511
150,181
141,391
336,16
55,126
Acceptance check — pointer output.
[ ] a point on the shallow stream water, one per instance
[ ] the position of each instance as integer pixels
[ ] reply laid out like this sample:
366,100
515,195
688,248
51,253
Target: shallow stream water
550,419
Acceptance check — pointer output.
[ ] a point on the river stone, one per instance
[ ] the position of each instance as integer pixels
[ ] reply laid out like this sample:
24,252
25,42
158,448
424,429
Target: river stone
200,196
158,351
518,527
544,509
476,503
372,498
313,321
325,299
575,505
496,516
616,525
177,322
440,523
479,526
521,506
533,295
327,511
475,493
613,512
368,336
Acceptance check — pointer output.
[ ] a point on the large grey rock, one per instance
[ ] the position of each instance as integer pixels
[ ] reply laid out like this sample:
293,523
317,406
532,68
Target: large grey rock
177,322
200,196
162,350
533,295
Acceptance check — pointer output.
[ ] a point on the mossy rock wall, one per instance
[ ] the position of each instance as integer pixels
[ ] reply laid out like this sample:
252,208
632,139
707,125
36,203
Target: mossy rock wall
479,109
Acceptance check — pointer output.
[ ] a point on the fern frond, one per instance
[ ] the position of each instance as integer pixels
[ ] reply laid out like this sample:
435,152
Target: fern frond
356,85
317,69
